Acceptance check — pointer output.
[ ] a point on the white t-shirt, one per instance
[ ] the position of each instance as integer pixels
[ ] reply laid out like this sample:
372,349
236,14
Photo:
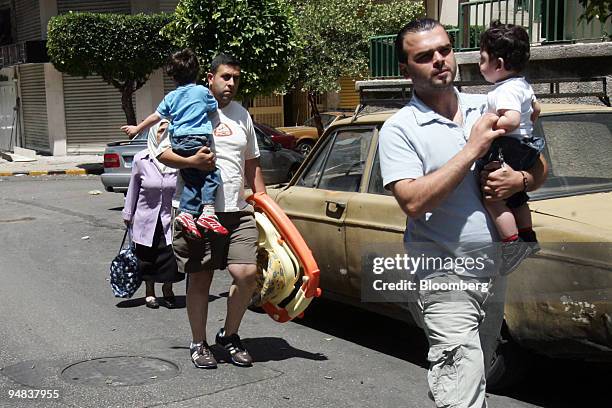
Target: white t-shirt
234,143
517,95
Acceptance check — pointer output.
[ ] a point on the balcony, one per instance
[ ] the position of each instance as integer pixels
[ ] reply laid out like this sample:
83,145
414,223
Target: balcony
546,21
12,54
23,52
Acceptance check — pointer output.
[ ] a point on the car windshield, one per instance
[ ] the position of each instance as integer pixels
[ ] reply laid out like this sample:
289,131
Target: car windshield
579,153
326,119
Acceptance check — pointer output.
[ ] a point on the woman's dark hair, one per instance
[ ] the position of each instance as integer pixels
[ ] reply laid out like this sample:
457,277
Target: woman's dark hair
415,26
183,67
509,42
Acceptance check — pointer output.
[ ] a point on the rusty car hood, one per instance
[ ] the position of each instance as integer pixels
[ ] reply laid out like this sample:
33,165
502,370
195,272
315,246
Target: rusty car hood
589,209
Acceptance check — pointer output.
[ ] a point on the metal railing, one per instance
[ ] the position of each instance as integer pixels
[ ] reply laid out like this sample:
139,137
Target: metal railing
12,54
546,21
383,60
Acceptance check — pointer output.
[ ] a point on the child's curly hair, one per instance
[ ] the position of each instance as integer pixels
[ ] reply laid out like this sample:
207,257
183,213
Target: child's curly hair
509,42
183,67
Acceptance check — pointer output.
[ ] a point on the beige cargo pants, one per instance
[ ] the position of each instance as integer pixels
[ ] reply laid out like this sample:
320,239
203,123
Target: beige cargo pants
462,327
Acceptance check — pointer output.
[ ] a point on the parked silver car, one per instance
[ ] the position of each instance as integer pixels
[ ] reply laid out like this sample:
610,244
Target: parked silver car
118,158
278,164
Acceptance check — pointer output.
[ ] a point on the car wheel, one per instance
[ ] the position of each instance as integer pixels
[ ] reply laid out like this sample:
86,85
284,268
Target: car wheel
304,147
509,365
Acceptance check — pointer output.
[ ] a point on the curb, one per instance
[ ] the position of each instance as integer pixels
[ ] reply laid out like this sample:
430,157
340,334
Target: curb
71,172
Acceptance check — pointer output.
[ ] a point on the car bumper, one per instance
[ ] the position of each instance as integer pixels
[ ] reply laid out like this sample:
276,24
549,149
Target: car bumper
116,183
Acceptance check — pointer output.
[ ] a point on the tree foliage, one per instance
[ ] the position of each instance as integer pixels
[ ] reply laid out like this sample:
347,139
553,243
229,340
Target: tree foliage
259,33
599,9
123,49
334,39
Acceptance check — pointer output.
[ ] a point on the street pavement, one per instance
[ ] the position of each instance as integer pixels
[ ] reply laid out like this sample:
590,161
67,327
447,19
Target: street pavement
61,328
71,164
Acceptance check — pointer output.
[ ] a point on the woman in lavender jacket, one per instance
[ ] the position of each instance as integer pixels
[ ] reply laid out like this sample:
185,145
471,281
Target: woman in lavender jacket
147,210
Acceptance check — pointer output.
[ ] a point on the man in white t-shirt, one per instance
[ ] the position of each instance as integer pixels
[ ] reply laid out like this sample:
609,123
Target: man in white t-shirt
237,158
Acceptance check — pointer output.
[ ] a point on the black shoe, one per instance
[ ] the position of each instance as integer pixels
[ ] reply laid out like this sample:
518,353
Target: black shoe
152,303
238,353
513,253
531,239
169,299
170,302
202,356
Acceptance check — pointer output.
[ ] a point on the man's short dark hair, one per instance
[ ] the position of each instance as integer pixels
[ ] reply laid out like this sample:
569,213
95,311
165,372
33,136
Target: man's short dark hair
223,59
415,26
507,41
183,67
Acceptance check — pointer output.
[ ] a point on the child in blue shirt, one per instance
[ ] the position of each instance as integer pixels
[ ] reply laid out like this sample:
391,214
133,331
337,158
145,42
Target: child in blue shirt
188,107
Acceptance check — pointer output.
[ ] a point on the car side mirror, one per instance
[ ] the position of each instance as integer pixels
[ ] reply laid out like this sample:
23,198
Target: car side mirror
276,146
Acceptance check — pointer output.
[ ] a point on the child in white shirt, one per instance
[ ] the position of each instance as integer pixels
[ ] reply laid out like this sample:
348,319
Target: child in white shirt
504,53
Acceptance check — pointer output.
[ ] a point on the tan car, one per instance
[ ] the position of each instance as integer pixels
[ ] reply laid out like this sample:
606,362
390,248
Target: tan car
559,301
306,136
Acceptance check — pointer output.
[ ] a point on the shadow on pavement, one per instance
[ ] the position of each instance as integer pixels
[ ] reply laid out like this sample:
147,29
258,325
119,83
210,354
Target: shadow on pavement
553,383
557,383
370,330
264,349
138,302
92,168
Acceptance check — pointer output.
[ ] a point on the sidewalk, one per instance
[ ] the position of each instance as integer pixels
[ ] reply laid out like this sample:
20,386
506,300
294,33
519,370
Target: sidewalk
43,165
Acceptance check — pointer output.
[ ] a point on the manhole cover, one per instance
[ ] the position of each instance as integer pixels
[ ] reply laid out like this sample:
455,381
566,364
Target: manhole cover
120,371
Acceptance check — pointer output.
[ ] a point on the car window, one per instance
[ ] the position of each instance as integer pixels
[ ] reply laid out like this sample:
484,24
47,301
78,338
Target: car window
376,180
343,168
579,153
326,120
263,141
310,177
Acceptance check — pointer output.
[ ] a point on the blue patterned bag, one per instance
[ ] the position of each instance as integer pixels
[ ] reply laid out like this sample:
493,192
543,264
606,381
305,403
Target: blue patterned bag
124,274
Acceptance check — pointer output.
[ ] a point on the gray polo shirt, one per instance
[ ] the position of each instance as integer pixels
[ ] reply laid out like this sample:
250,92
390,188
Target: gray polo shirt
417,141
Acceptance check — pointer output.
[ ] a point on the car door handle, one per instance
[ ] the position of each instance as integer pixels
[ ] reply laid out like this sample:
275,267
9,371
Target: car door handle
334,208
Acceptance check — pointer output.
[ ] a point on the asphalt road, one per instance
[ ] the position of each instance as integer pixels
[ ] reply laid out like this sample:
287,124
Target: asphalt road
62,330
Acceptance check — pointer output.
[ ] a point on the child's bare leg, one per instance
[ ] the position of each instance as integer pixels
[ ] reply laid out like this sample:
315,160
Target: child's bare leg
504,220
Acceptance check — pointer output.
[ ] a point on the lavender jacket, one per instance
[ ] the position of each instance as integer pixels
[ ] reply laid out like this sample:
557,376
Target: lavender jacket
149,196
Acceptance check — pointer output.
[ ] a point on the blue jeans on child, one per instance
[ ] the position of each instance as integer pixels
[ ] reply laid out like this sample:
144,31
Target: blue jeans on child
200,186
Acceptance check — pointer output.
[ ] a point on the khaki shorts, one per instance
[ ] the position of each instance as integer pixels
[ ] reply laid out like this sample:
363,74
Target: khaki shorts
217,251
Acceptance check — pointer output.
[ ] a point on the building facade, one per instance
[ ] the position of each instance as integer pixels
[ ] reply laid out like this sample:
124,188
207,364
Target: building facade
58,114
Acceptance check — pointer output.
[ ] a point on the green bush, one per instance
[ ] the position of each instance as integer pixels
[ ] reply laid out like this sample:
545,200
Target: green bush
123,49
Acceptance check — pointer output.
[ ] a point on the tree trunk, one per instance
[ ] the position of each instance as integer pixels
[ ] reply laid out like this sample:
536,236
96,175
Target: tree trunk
315,112
127,90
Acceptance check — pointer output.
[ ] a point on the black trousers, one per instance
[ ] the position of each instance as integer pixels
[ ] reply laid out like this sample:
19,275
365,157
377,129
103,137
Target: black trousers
157,262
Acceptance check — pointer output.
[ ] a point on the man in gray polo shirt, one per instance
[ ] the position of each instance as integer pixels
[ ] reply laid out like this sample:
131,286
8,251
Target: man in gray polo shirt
427,155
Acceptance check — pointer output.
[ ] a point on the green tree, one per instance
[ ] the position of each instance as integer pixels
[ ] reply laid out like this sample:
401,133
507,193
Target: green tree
123,49
334,40
259,33
600,9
